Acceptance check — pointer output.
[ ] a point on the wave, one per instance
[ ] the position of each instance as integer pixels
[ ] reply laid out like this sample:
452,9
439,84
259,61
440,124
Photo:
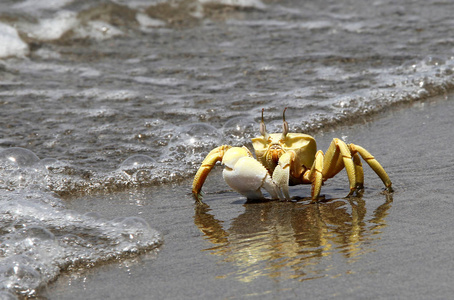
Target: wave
179,149
28,22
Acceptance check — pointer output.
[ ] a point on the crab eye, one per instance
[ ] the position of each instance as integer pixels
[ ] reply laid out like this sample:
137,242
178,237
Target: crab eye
284,125
263,128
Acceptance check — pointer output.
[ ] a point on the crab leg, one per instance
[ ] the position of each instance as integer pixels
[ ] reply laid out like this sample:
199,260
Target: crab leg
337,165
210,160
338,156
333,162
358,169
289,166
316,176
374,164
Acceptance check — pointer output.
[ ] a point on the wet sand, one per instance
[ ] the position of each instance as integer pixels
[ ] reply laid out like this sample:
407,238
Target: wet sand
376,246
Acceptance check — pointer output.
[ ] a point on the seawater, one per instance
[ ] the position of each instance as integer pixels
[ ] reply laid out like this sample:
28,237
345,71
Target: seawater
108,95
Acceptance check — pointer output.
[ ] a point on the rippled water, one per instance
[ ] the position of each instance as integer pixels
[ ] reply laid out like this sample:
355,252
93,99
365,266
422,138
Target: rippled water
106,95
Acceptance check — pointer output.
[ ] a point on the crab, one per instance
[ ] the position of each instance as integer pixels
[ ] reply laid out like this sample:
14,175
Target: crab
286,159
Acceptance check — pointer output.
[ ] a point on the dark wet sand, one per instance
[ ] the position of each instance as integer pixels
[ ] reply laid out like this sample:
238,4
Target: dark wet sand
374,247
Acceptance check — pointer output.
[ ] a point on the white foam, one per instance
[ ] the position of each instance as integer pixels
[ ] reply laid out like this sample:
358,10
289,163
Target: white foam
40,238
145,21
237,3
32,6
47,54
10,42
51,28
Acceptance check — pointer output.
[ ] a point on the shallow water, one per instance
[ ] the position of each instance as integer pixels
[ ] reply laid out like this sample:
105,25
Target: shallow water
115,95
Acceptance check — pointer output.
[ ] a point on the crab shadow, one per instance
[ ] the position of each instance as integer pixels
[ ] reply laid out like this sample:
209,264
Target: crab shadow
293,239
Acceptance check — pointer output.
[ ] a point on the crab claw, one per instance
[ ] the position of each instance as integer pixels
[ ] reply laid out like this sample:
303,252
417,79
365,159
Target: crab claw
247,176
281,174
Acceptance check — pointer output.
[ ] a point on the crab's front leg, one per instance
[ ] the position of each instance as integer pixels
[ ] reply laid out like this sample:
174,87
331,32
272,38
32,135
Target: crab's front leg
281,174
208,163
288,166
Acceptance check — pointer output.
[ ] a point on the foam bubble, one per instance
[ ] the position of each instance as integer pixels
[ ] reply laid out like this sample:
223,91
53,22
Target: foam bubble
18,271
73,240
93,215
135,222
137,162
191,141
434,61
17,157
35,234
240,127
143,176
195,135
49,164
135,229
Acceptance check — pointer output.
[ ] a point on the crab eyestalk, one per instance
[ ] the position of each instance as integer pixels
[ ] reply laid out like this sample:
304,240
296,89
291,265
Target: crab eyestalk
284,126
263,128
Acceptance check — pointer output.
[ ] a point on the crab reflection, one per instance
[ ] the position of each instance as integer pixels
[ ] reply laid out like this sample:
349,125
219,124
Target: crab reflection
294,240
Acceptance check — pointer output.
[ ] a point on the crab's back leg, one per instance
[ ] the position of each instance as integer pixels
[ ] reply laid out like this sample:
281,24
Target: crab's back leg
358,169
337,164
337,157
374,164
210,160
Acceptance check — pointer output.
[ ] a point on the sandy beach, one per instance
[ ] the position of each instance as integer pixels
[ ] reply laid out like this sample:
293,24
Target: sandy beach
377,246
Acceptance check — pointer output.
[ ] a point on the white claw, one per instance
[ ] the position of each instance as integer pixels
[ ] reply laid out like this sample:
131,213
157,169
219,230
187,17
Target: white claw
281,179
247,176
281,174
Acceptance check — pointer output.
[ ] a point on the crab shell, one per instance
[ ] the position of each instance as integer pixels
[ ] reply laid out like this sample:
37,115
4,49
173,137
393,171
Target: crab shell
268,150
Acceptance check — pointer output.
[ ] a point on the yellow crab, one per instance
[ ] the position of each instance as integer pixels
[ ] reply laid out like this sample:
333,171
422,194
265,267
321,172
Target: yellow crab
285,159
